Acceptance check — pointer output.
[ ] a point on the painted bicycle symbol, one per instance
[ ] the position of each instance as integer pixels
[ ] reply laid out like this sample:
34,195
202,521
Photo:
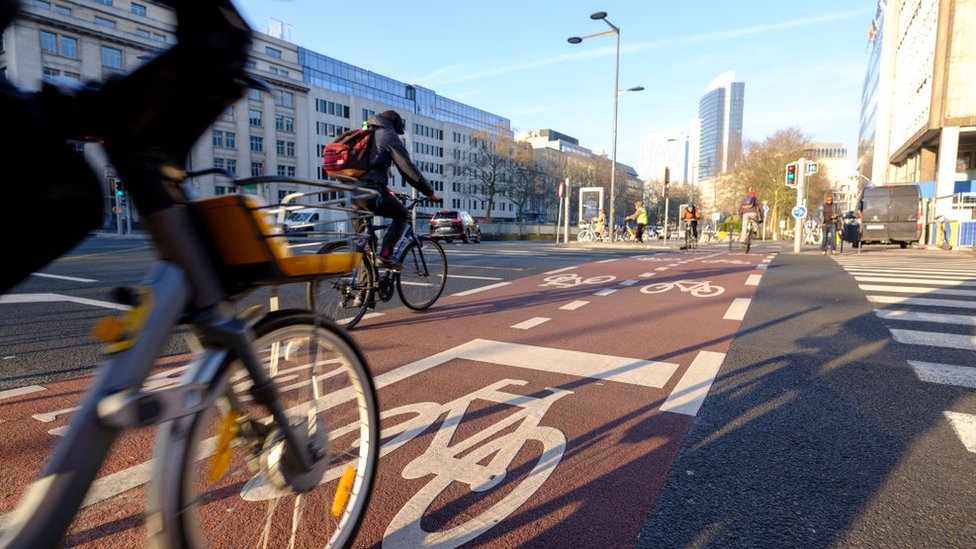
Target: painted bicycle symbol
480,461
697,288
568,280
728,261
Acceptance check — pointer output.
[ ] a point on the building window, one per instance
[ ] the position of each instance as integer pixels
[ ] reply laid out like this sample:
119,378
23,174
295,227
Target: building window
254,94
49,42
284,98
286,171
62,10
111,58
218,138
219,190
69,47
104,22
230,140
257,143
254,117
231,168
142,33
228,114
41,5
138,9
159,37
272,52
285,148
285,123
106,2
257,169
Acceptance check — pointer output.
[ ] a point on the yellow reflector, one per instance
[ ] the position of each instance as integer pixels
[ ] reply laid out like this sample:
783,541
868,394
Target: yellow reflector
342,492
109,330
220,462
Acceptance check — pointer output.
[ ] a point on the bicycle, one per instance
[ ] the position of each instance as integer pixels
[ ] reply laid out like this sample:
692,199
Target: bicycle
752,226
586,234
697,288
244,454
419,282
690,241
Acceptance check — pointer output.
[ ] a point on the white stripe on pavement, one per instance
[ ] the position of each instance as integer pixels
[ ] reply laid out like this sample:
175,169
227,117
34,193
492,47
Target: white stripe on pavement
646,275
737,310
965,427
629,282
57,298
472,277
20,391
560,270
912,316
531,323
921,301
606,292
935,339
481,289
893,280
753,280
690,392
944,374
573,305
62,277
918,290
764,266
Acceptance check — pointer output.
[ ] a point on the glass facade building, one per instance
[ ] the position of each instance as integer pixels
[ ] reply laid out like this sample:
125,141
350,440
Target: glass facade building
325,72
720,111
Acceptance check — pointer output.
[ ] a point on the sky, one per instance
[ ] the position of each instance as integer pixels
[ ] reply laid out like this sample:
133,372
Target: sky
802,62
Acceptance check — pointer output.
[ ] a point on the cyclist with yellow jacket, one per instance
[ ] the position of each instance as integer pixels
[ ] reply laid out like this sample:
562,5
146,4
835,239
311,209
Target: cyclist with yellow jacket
640,217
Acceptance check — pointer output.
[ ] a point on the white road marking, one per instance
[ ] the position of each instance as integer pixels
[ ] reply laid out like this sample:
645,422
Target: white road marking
561,270
935,339
21,391
572,306
62,277
56,298
965,427
938,273
472,277
753,280
944,374
892,280
606,292
763,266
662,268
48,417
629,282
737,310
531,323
912,316
646,275
481,289
767,260
609,260
690,392
921,301
918,290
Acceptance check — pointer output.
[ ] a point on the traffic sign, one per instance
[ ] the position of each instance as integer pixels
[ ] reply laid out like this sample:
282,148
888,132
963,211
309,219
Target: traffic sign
811,167
765,208
799,212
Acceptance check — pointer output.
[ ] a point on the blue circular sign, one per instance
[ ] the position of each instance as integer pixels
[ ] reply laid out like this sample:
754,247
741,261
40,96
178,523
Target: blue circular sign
799,212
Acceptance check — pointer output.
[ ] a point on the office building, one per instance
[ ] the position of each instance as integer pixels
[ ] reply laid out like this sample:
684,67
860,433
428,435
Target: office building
720,111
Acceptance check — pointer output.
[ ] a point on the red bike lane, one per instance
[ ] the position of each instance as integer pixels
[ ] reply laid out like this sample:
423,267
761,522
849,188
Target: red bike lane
545,412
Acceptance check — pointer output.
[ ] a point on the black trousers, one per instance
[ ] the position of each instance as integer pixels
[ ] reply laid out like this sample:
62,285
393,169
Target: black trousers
388,206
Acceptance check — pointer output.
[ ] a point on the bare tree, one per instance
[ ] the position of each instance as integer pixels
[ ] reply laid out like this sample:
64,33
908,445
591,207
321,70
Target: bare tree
488,167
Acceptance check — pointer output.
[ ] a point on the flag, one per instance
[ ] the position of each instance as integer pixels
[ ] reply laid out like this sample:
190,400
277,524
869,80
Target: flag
873,31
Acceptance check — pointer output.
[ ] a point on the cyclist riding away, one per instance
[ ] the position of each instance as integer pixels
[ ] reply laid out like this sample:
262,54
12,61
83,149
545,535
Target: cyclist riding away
749,209
389,149
691,215
640,217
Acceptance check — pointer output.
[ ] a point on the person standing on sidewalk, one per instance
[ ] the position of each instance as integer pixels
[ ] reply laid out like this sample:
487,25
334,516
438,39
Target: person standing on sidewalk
829,226
640,217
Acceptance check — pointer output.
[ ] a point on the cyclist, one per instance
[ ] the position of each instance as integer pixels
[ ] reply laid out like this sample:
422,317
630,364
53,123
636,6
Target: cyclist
691,216
147,119
749,209
640,217
599,222
389,149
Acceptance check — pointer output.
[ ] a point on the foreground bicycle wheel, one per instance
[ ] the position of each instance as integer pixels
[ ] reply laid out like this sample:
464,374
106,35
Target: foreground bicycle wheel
239,486
424,274
343,299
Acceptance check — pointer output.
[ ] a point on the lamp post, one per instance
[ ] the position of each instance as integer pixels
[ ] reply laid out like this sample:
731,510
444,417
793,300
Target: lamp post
614,30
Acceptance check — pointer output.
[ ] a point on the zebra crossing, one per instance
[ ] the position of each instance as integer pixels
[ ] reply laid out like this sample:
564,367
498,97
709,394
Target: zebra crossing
928,302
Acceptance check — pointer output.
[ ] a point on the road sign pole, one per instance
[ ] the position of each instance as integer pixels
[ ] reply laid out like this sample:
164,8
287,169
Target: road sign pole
801,193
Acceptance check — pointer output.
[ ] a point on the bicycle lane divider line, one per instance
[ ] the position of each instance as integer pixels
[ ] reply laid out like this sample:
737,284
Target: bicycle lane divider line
20,391
573,305
564,269
629,282
55,298
606,292
63,277
965,427
531,323
753,280
737,310
689,394
481,289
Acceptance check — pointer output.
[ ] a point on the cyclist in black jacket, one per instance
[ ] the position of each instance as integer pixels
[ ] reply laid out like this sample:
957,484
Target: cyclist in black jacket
388,149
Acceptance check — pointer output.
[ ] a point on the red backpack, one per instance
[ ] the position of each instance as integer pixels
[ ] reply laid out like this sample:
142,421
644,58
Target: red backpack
348,155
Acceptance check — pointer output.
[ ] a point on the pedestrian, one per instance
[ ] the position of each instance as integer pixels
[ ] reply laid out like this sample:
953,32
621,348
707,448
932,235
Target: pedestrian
829,226
640,217
599,223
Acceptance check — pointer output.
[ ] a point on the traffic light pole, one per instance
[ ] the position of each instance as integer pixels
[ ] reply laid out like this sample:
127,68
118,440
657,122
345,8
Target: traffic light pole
801,200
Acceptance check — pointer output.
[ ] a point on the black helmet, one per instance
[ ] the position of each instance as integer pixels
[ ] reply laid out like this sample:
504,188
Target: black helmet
394,117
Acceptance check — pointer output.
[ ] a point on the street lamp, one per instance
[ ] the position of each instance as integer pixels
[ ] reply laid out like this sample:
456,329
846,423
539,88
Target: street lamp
614,30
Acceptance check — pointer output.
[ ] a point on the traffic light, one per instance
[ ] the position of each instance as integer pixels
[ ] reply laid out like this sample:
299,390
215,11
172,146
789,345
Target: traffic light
119,189
791,175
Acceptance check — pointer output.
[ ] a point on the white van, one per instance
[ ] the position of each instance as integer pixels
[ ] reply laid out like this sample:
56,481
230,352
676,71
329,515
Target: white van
306,220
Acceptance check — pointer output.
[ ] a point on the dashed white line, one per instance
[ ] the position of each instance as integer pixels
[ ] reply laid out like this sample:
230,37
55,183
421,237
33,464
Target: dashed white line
561,270
690,392
646,275
481,289
573,305
609,260
920,301
763,266
21,391
606,292
473,277
944,374
662,268
737,310
52,298
753,280
531,323
62,277
629,282
912,316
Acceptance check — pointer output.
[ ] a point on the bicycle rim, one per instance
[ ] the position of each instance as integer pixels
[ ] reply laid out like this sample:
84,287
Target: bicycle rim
423,276
336,297
238,486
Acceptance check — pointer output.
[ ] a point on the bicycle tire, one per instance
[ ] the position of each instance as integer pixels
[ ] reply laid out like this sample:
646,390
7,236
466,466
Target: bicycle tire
335,297
244,506
424,274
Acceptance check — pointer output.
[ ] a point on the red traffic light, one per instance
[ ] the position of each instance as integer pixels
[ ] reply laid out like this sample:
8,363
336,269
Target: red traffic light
791,174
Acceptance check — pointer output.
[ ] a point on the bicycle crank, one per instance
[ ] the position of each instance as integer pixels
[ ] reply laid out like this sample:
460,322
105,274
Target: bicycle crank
386,286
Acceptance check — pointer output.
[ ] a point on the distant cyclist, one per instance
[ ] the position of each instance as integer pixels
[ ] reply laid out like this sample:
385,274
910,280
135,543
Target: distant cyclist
749,209
640,217
691,215
599,223
388,149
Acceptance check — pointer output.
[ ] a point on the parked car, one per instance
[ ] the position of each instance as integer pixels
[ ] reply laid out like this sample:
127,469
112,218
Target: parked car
890,214
451,224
